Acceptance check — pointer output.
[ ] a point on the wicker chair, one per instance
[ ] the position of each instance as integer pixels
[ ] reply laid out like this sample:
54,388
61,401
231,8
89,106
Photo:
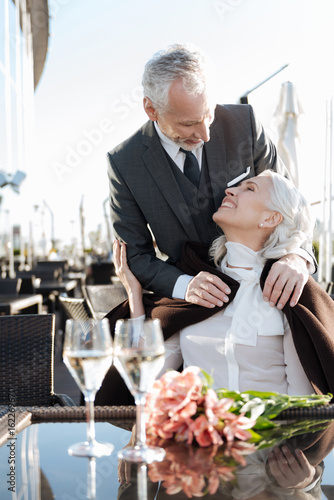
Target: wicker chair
54,264
48,273
10,286
76,308
103,298
27,361
102,272
28,285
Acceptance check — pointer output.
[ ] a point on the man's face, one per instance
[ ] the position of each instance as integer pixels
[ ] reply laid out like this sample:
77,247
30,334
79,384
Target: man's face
188,117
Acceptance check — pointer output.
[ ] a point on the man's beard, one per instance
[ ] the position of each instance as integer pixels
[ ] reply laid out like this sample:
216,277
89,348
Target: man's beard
182,144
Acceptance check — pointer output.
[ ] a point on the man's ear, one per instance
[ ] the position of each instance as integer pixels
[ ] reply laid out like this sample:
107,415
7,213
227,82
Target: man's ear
150,109
273,219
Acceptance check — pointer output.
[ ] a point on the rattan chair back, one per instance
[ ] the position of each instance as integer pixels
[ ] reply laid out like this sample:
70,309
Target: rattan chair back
27,359
28,285
48,274
102,272
76,308
103,298
54,264
10,286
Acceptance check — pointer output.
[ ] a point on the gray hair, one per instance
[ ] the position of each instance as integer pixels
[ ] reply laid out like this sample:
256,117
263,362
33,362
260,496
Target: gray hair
295,229
177,62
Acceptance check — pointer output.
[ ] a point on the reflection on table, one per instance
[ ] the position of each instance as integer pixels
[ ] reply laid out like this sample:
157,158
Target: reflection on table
44,470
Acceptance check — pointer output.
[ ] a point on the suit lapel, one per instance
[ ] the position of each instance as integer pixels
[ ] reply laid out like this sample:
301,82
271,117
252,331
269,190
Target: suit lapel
157,164
216,158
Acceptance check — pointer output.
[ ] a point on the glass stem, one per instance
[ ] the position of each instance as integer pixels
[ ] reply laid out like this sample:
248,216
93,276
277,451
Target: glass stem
140,400
89,403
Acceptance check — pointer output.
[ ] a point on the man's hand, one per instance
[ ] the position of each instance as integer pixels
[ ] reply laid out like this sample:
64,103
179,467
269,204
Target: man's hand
207,290
288,275
290,471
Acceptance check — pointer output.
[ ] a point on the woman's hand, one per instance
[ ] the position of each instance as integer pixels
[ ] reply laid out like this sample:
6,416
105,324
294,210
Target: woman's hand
122,269
124,467
290,471
128,279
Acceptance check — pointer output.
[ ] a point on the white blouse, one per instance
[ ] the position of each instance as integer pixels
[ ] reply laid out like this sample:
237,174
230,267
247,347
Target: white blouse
246,346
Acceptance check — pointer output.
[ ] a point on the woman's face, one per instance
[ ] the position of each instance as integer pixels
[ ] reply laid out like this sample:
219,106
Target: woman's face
244,207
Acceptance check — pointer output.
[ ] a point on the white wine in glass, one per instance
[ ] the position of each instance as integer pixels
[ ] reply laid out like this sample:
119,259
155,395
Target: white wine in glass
87,353
139,355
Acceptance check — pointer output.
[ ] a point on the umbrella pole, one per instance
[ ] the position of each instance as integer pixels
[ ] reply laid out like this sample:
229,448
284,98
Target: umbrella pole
328,190
330,194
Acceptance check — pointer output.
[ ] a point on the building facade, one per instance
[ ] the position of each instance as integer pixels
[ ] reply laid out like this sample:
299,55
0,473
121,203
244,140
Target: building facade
24,35
24,40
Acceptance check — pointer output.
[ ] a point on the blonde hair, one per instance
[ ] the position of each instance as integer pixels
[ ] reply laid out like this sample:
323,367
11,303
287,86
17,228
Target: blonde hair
295,229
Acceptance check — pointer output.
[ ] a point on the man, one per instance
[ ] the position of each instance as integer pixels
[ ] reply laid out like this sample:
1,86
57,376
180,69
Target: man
155,201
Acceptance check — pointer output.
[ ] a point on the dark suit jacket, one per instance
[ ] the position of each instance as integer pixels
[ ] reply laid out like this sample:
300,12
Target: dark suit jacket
144,191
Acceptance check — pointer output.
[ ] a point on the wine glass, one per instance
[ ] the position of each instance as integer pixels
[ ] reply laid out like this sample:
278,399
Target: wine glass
87,353
139,356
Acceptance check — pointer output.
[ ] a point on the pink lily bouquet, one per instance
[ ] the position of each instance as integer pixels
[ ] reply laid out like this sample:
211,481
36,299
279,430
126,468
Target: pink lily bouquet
227,426
181,407
184,407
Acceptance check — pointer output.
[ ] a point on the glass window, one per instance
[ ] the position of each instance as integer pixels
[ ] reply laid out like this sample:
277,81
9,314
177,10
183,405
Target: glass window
14,144
3,145
2,32
12,38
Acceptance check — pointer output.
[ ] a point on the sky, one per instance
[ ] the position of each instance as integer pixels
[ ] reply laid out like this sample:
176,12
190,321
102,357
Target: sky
89,98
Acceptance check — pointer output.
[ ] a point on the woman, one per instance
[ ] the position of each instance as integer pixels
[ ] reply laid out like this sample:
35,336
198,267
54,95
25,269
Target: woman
247,344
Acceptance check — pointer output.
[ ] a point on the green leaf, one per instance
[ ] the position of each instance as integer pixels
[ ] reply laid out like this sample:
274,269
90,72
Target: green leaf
271,437
269,404
208,380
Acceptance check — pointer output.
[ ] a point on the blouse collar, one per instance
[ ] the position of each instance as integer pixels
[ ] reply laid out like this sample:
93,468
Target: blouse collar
241,256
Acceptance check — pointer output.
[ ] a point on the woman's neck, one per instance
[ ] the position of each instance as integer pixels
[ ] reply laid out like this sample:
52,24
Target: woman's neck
256,246
254,239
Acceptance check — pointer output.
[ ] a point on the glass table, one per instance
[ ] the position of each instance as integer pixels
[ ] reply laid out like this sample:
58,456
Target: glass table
34,462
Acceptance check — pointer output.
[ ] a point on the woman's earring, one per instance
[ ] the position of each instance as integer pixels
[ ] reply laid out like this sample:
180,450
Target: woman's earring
261,224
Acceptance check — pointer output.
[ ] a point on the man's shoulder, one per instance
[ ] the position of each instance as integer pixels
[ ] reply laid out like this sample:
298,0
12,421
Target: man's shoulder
233,123
233,111
135,141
